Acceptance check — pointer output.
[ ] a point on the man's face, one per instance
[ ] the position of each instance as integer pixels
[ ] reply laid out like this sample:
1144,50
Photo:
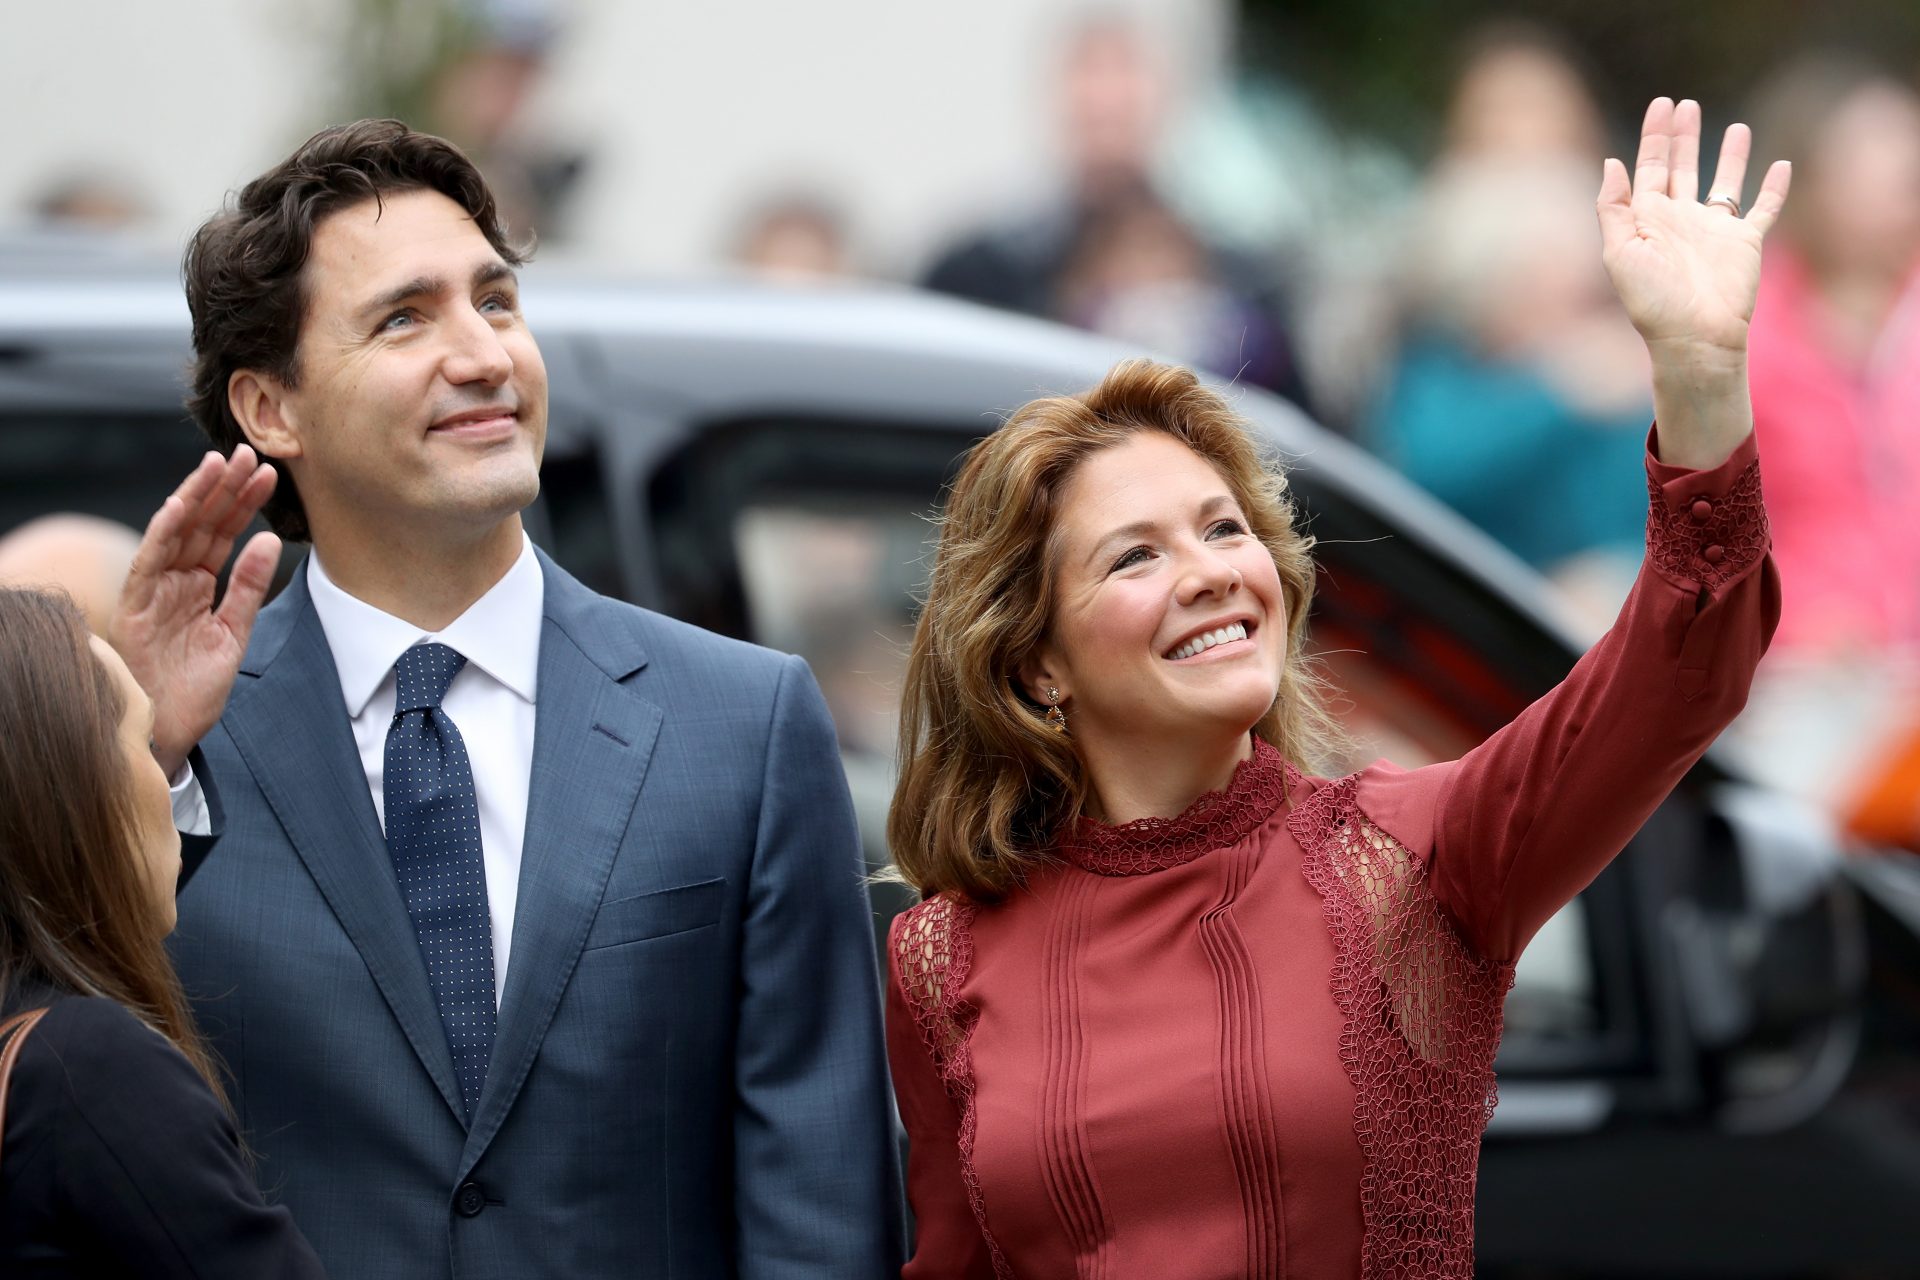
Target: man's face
421,399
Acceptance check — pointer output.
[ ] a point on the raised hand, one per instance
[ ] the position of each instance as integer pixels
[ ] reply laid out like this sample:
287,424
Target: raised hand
1688,273
183,651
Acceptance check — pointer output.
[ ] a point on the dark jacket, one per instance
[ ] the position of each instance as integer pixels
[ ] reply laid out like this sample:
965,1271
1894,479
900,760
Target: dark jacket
119,1161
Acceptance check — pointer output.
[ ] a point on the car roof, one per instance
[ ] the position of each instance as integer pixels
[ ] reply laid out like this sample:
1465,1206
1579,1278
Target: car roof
714,351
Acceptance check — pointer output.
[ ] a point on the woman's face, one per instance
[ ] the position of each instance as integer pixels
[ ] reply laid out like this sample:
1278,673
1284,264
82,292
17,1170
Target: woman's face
1169,619
1864,201
155,842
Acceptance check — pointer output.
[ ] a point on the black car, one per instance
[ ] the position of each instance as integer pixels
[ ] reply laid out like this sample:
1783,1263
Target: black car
1709,1067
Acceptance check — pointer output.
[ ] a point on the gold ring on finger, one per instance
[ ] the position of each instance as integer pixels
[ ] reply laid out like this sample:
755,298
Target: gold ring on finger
1730,203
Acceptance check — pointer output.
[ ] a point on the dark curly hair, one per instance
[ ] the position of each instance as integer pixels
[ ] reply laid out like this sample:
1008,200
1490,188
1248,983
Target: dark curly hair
243,267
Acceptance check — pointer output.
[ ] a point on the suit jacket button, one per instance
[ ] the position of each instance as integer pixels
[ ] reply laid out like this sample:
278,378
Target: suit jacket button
469,1200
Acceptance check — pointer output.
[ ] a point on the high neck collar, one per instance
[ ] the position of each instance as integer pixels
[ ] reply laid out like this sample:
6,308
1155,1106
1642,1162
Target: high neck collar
1217,819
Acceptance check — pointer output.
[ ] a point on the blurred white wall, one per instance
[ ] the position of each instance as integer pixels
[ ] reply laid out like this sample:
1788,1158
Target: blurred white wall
915,118
176,102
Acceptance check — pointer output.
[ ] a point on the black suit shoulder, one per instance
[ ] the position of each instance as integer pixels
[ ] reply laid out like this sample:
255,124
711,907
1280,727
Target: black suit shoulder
118,1157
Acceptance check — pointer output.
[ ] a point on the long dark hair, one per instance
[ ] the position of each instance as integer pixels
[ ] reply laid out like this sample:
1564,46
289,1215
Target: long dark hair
76,912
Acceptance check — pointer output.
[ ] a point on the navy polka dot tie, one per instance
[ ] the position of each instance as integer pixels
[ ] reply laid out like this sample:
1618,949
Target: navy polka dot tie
433,836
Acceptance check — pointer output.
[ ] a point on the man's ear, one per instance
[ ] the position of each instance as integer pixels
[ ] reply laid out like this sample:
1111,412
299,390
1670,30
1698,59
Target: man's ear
261,405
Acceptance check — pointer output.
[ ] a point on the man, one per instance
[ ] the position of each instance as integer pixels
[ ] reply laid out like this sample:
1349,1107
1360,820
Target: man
535,941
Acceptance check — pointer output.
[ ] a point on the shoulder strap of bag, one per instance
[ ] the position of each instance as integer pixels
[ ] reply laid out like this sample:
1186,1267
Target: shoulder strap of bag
13,1034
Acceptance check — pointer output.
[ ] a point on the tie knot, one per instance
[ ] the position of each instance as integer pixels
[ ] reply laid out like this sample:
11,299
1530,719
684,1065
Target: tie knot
422,675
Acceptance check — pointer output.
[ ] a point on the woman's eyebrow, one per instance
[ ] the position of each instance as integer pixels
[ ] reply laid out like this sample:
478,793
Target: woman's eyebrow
1140,528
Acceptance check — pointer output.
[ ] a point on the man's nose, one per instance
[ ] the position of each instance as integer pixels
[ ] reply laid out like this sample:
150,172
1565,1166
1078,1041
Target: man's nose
477,353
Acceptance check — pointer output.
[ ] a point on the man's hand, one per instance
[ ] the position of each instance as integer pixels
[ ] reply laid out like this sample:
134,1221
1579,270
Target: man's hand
182,650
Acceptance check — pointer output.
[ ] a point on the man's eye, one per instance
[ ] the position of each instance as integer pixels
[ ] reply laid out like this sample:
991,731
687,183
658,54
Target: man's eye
499,302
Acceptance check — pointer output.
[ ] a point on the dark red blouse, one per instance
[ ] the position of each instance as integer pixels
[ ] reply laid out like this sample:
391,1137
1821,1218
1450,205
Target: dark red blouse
1257,1040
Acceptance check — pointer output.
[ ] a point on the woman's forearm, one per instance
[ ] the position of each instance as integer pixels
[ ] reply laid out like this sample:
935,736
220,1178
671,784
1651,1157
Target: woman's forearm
1700,402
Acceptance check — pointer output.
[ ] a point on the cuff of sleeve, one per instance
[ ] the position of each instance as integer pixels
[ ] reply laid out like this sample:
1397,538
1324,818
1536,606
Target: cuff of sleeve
1706,529
190,814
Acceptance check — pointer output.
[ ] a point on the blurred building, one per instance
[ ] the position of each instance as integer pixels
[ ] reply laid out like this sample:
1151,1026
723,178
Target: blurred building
911,118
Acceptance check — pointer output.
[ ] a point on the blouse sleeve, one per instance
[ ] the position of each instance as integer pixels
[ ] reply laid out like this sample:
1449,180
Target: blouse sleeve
1525,821
147,1159
947,1240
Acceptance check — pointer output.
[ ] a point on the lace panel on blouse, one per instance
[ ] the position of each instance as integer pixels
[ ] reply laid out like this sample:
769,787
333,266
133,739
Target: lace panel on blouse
934,950
1423,1018
1214,821
1711,542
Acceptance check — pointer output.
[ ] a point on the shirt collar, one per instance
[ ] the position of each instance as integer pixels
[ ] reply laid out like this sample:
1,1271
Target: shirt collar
499,632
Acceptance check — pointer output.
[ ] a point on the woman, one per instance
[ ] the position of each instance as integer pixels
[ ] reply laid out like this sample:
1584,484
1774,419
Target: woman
1172,1006
117,1156
1836,346
1837,369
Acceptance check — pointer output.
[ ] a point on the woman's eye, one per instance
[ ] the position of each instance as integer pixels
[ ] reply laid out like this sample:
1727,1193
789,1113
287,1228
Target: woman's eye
1128,560
1225,529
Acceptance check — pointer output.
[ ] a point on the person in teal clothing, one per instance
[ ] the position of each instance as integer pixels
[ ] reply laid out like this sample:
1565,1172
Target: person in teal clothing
1497,442
1518,396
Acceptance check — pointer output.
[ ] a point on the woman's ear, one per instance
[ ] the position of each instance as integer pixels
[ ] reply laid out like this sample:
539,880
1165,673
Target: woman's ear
260,405
1040,678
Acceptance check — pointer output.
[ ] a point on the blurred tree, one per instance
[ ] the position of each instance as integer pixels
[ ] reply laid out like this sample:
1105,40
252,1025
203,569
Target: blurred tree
1384,66
394,52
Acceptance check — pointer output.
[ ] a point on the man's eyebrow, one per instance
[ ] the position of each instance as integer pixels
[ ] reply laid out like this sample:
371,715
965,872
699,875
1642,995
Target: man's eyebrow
494,272
418,287
426,286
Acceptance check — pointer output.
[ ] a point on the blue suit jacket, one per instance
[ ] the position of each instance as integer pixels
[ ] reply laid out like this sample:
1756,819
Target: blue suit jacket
689,1077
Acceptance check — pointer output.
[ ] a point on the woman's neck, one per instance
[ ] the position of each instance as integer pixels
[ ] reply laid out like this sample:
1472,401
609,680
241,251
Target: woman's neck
1130,780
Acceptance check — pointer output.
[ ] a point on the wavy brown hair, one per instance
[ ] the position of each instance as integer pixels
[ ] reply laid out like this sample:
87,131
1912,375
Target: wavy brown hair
76,910
984,782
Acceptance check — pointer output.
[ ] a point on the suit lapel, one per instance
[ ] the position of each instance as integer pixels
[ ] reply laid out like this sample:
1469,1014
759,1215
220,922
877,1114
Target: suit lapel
593,739
291,728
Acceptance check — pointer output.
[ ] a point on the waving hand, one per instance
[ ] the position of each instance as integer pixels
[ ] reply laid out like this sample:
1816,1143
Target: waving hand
1688,272
181,649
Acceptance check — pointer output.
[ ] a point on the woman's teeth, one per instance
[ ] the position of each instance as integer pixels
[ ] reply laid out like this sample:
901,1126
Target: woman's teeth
1206,640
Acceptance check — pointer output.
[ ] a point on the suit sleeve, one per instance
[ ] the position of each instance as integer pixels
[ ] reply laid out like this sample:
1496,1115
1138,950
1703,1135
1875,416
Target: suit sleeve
816,1182
1526,820
947,1240
144,1156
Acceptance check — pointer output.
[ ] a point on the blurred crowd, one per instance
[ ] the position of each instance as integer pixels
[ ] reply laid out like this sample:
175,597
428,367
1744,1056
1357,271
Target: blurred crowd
1451,314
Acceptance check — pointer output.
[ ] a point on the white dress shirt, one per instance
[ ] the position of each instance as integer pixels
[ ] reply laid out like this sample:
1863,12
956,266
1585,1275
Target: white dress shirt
491,702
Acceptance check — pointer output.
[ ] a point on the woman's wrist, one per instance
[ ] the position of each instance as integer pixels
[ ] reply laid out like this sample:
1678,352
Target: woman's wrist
1700,402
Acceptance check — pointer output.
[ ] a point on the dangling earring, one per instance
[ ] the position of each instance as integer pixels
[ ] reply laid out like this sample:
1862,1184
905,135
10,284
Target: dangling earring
1056,718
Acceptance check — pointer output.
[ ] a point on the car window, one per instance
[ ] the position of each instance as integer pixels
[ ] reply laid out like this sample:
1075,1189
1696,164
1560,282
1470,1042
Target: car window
835,580
120,466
